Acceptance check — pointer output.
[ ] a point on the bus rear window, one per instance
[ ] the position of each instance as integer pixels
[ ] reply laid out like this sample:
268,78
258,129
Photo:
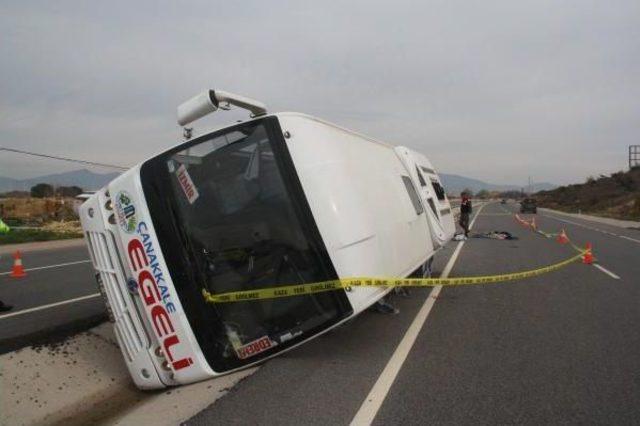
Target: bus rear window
438,189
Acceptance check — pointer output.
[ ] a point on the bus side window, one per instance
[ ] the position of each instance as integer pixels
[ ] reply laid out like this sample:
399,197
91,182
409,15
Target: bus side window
420,177
433,206
413,195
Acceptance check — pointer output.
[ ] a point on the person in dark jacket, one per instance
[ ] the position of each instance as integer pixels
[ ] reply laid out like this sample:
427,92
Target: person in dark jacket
465,212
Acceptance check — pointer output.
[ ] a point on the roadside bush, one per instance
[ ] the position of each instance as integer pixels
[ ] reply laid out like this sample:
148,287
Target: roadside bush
42,190
16,236
635,211
616,196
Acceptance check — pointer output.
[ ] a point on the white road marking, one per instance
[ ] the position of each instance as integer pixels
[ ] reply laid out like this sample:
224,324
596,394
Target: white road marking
51,305
570,221
59,265
378,393
606,271
629,238
602,231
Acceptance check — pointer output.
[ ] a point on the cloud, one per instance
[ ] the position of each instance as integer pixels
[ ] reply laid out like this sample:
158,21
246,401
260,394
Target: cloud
497,90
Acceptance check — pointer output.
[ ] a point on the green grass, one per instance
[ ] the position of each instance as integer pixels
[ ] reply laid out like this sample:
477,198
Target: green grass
16,236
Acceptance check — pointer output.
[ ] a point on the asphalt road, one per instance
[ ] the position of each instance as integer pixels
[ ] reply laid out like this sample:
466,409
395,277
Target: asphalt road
65,277
560,348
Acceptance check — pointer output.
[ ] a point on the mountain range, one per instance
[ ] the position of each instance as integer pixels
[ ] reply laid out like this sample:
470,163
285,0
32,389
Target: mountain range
85,179
454,184
90,181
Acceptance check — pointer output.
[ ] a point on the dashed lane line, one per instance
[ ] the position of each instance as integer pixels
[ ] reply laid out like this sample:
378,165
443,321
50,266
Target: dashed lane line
602,231
59,265
606,271
629,238
600,267
378,393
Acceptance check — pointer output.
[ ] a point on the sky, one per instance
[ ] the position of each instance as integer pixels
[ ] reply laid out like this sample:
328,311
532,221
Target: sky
494,90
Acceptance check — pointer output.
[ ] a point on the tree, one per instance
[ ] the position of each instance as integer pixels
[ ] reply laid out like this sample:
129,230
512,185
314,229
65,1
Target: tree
468,192
483,194
69,191
42,190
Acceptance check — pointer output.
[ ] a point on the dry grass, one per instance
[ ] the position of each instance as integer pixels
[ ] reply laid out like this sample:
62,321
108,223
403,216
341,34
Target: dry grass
72,226
53,219
616,196
36,211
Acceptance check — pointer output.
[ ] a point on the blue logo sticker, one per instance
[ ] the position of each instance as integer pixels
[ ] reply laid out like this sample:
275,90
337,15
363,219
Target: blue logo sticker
132,285
126,211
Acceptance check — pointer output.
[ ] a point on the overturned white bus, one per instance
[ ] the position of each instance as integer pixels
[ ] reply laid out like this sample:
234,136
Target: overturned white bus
277,200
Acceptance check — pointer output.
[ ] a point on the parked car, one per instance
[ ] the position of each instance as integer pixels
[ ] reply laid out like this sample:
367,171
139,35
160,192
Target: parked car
503,201
528,205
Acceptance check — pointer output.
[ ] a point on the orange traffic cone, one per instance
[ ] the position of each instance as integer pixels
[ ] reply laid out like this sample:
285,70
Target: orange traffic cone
562,238
18,269
587,258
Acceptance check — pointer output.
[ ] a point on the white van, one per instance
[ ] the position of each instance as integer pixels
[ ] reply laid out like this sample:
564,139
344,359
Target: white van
280,199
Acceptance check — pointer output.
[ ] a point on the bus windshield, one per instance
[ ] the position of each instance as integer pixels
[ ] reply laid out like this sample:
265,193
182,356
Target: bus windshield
230,215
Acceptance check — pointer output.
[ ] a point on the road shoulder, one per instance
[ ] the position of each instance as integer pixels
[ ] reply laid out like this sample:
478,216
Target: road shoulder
41,245
83,380
605,220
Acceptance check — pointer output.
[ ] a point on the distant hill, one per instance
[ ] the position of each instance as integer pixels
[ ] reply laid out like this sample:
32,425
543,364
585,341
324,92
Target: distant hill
454,184
87,180
616,196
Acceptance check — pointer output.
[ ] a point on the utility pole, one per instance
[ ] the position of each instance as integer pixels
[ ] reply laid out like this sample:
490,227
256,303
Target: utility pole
634,156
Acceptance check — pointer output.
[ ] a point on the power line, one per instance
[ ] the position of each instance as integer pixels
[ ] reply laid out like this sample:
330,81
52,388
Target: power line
71,160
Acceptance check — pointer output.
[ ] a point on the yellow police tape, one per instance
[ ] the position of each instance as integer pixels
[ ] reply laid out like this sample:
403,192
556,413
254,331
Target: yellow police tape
555,234
347,283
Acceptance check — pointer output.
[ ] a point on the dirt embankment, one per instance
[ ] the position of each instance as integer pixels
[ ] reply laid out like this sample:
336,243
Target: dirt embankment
37,211
616,196
38,219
